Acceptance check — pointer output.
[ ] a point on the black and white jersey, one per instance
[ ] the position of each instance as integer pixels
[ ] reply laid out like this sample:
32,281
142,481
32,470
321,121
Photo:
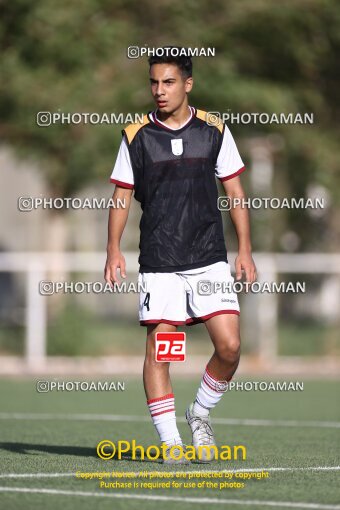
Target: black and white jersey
173,173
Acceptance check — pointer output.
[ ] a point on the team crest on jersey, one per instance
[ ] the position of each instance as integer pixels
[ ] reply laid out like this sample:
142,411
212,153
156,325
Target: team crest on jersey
177,147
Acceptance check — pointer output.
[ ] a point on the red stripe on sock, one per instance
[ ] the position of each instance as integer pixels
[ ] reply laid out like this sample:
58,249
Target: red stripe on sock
169,395
160,408
154,407
162,412
210,374
208,384
213,377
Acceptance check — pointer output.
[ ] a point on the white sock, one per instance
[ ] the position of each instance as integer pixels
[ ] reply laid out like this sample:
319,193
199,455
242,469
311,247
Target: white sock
209,394
163,415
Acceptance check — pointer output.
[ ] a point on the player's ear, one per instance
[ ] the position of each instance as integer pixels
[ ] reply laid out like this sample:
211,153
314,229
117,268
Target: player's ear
189,84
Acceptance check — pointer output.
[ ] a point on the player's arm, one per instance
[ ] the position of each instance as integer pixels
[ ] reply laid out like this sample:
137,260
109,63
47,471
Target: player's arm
122,176
240,218
117,220
229,166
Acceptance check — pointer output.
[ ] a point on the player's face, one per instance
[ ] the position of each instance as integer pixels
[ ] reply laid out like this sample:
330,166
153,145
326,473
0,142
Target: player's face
168,87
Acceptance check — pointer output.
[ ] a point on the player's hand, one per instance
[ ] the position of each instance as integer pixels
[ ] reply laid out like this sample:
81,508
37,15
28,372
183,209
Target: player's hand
244,262
114,261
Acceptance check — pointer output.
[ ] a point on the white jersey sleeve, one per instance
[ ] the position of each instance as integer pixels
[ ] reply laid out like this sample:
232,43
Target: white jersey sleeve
229,162
122,173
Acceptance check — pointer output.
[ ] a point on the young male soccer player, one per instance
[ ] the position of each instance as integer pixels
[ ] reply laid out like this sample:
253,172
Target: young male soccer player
170,162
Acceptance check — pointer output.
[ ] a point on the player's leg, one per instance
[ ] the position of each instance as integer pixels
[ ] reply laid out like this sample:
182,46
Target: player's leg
161,308
224,333
156,376
217,306
159,394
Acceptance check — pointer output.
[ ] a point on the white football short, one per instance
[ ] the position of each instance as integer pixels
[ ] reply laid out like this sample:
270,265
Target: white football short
187,297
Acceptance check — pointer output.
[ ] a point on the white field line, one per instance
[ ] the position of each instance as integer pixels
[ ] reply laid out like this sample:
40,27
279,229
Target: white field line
136,473
138,419
178,499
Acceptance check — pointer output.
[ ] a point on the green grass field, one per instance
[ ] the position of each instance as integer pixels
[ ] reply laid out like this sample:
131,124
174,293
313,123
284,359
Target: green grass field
293,431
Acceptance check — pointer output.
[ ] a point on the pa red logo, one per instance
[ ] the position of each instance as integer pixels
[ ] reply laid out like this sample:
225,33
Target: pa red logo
170,346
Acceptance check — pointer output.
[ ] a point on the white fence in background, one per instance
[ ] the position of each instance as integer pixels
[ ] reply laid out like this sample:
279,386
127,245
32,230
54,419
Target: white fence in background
38,265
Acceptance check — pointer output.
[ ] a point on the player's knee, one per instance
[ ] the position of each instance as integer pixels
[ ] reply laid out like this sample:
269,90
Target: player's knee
229,352
150,354
150,357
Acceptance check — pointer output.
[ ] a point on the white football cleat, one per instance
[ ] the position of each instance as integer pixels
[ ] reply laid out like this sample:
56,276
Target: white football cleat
202,435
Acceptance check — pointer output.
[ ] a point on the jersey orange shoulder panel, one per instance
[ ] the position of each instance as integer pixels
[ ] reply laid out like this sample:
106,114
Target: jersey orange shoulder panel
132,129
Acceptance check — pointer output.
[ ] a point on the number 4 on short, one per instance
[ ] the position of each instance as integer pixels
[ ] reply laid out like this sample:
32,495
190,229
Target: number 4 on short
147,301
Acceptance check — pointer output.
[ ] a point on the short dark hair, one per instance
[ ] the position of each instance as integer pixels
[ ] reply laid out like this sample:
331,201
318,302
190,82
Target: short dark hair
183,62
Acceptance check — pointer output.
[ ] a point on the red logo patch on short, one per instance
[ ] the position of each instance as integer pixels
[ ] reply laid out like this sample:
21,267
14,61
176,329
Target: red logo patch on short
170,346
